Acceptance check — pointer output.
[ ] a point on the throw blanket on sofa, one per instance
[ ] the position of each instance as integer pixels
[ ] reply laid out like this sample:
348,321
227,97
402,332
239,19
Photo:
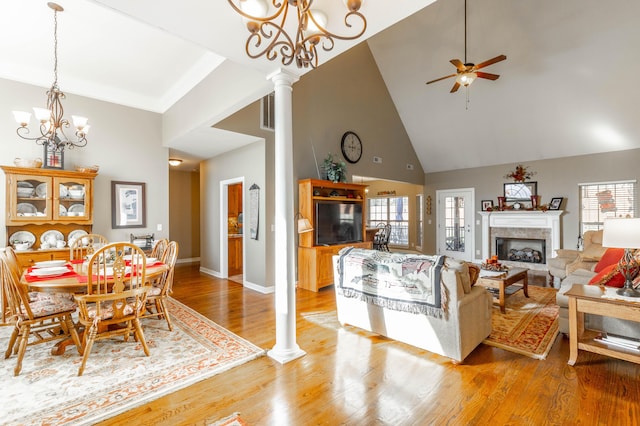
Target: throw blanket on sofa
399,281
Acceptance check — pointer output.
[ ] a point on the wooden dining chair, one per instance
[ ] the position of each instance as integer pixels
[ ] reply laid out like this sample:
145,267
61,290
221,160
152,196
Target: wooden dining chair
159,249
162,288
116,294
86,245
42,320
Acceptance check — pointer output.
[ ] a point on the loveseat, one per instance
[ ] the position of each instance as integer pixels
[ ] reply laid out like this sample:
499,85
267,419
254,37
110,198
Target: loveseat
595,265
446,314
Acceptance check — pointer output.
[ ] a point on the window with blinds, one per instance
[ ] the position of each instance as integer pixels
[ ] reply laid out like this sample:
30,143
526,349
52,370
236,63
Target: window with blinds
599,201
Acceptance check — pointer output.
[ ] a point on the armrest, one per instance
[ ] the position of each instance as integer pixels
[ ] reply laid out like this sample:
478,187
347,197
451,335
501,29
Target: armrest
579,263
567,253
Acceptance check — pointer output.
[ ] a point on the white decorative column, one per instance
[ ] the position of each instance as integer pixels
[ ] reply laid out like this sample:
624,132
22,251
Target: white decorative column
286,349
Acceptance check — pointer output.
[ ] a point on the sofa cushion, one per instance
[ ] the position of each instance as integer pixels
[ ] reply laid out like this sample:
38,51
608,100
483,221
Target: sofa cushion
609,276
611,256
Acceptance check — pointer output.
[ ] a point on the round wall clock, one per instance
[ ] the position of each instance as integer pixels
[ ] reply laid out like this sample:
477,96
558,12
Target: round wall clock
351,146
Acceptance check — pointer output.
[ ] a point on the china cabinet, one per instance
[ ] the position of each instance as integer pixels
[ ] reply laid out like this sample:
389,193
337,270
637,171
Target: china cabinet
45,202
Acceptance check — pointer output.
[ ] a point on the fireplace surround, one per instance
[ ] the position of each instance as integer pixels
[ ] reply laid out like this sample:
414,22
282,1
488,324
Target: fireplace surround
534,224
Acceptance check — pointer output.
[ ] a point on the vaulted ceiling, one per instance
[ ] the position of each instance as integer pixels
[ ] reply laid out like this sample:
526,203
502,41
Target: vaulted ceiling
566,88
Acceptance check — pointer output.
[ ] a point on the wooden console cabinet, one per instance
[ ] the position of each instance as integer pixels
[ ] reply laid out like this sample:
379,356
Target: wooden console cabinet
40,200
315,268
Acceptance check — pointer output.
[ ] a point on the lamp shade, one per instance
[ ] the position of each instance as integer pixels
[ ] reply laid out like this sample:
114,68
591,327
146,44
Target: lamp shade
304,225
621,233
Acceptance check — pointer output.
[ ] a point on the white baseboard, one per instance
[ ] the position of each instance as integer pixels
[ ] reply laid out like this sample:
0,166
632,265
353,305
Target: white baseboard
188,260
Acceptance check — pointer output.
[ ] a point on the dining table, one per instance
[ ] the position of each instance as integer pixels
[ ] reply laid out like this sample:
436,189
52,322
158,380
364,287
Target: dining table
74,281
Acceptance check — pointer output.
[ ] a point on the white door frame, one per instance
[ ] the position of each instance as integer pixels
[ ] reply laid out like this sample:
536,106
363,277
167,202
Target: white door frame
224,226
469,213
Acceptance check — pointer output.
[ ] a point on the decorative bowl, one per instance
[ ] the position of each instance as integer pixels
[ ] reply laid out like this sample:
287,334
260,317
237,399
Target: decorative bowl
76,193
23,162
88,169
25,192
21,246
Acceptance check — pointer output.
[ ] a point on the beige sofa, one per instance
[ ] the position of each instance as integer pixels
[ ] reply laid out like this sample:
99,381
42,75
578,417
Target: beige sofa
465,324
574,267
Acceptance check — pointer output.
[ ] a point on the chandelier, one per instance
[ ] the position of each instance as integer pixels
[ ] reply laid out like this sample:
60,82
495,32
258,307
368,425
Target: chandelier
268,35
52,123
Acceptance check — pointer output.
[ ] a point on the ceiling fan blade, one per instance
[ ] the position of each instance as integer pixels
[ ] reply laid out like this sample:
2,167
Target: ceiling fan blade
458,64
490,62
441,78
487,75
455,87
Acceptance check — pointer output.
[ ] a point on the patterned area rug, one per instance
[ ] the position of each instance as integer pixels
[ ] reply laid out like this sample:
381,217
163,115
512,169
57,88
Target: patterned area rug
118,376
529,326
232,420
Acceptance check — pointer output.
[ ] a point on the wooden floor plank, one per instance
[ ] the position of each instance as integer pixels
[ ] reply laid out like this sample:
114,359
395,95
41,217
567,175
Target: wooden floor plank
353,377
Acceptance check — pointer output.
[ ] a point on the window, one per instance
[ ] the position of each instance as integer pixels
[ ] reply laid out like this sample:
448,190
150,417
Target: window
599,201
394,211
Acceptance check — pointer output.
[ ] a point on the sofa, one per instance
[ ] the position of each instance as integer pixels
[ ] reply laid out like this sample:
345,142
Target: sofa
446,314
595,265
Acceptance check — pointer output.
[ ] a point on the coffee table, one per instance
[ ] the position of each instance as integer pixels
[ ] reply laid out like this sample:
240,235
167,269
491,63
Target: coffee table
503,283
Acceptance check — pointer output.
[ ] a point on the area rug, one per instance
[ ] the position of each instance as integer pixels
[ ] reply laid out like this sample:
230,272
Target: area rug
118,376
529,326
232,420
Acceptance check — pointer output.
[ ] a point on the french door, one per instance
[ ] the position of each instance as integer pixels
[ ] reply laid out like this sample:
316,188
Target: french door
455,233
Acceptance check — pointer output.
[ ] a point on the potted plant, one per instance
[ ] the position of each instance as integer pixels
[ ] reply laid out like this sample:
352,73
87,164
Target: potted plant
336,170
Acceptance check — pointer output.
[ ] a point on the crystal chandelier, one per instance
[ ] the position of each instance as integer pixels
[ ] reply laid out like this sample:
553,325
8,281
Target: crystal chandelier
268,36
52,123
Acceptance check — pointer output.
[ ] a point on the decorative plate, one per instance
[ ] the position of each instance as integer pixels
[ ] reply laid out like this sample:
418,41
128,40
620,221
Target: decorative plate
57,234
78,233
49,263
23,236
63,210
41,190
77,208
26,208
24,184
64,192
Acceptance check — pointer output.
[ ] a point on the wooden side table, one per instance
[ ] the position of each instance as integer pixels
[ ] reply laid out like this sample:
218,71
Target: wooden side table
587,299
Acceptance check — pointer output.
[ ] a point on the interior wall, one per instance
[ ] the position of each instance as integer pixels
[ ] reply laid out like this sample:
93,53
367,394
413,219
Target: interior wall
248,163
125,142
184,213
557,177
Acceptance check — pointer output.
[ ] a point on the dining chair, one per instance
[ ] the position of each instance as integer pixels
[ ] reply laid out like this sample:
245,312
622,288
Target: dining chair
86,245
159,249
381,238
163,287
116,294
43,320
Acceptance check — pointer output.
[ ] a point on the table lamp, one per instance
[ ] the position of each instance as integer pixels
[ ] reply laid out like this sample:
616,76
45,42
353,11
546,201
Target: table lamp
624,233
304,225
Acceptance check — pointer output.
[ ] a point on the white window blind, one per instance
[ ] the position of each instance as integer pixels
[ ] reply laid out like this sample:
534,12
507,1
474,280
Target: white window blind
602,200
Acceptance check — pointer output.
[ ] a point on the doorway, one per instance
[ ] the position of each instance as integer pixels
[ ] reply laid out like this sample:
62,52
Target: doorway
232,229
455,233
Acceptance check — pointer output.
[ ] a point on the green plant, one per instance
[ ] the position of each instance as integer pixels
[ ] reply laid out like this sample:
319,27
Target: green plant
335,169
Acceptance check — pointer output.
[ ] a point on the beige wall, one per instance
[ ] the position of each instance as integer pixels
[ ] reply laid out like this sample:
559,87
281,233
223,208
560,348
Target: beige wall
184,212
125,142
555,178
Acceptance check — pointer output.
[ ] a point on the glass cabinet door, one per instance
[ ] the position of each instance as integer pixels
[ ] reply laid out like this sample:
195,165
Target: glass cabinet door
32,200
71,199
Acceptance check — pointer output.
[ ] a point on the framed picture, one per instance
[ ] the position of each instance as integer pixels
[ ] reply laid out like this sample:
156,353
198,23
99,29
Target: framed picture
487,205
53,159
555,203
128,205
520,191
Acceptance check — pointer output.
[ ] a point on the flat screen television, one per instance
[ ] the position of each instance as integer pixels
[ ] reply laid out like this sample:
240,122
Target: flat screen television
338,223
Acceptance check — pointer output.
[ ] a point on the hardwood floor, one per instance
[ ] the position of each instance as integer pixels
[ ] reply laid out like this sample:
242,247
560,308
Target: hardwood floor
352,377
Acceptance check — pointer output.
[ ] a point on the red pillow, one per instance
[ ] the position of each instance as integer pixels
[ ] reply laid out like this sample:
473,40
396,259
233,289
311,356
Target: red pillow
610,257
609,276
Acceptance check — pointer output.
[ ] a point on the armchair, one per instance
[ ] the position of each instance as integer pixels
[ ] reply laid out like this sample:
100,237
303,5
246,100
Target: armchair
568,261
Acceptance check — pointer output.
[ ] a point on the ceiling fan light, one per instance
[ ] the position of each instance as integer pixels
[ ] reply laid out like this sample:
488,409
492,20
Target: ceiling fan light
466,78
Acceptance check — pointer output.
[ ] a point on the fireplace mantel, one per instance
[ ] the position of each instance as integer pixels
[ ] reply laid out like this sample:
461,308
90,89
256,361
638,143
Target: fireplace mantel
521,219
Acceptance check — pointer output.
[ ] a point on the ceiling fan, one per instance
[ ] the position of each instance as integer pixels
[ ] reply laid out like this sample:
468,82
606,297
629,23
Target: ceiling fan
467,72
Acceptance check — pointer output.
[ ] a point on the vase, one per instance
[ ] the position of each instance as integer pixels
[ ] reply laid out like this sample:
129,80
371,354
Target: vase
535,201
502,202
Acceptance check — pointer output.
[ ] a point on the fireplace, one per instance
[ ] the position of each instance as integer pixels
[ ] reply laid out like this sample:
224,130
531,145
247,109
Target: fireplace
522,225
527,250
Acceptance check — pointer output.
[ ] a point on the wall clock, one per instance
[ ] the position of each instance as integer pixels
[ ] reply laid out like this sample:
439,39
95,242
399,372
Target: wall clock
351,146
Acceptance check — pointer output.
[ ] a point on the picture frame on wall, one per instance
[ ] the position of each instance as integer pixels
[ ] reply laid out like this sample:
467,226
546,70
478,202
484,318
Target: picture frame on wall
555,203
53,158
520,191
487,205
128,205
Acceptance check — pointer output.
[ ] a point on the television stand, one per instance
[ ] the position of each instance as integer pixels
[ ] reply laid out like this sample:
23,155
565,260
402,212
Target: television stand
315,264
